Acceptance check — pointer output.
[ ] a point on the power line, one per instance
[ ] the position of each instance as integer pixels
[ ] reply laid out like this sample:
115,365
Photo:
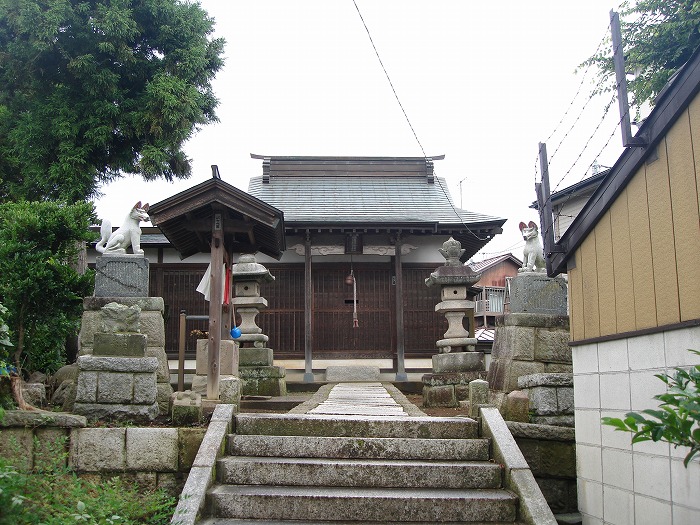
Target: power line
449,200
389,79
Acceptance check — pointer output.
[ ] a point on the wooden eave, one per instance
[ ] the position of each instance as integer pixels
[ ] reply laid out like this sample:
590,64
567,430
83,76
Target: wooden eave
667,110
250,225
473,239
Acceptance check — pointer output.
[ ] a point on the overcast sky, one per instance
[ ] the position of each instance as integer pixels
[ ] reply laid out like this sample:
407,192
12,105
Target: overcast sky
481,82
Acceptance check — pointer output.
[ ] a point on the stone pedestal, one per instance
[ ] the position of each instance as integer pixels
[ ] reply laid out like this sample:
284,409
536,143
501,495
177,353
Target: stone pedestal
449,382
117,380
109,330
123,275
256,370
229,381
532,339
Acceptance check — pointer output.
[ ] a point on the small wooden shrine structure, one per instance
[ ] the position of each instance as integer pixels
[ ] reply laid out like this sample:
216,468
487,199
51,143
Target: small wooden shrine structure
218,218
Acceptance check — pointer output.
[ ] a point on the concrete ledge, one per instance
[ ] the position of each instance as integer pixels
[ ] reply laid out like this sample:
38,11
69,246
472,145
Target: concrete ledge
352,373
533,508
547,432
25,418
203,472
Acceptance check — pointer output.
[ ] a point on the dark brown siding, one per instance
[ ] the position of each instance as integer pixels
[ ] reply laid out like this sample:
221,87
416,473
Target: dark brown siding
334,335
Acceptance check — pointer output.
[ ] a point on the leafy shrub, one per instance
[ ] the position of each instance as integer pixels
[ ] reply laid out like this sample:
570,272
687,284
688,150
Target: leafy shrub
677,420
41,291
52,495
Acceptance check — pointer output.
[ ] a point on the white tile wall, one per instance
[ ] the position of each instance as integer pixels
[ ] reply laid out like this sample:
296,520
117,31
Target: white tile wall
588,426
590,497
585,358
685,483
611,437
612,357
648,511
618,506
644,483
646,352
677,343
652,476
615,391
586,391
685,515
643,387
617,468
588,463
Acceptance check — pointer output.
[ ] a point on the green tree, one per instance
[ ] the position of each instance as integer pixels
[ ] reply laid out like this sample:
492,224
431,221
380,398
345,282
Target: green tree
41,291
658,37
93,89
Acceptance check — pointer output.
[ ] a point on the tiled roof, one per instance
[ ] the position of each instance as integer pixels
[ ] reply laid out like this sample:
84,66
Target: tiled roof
363,200
488,263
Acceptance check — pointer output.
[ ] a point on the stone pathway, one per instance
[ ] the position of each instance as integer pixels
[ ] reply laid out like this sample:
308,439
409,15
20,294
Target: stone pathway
359,399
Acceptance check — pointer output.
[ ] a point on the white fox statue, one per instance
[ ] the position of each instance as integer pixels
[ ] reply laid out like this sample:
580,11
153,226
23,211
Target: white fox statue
128,234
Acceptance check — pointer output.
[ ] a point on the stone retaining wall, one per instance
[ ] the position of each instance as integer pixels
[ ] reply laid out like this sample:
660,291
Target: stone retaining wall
550,452
153,457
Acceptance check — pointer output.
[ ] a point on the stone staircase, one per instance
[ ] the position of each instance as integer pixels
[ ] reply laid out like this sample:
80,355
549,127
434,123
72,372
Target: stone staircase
377,466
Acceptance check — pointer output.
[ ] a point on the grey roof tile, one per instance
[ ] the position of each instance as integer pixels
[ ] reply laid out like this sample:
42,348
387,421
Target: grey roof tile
362,199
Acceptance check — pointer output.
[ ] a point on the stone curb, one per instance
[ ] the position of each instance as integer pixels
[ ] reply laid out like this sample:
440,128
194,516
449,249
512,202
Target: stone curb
319,397
546,432
25,418
122,364
408,407
203,472
533,509
553,380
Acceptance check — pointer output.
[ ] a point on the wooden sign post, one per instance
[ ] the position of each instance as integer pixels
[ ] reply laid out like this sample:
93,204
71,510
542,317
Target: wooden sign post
215,296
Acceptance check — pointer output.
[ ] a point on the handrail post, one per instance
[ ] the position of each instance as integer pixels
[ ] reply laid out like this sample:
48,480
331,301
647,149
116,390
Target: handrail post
181,352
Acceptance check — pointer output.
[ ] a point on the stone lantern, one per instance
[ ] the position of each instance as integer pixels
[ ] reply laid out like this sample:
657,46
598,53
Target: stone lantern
255,358
453,370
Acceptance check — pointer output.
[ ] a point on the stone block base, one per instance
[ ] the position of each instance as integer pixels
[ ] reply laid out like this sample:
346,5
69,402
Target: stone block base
94,411
440,396
228,357
255,356
265,387
230,388
458,362
335,374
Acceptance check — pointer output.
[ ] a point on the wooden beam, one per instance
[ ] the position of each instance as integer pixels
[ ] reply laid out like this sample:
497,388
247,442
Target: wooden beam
232,226
308,306
400,350
215,299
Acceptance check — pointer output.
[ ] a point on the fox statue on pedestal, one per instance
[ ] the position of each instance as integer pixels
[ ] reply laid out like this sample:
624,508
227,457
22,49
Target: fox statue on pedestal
533,259
128,234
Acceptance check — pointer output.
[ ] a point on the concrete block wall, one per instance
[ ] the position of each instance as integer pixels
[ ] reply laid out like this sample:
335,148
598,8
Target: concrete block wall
155,457
152,456
620,483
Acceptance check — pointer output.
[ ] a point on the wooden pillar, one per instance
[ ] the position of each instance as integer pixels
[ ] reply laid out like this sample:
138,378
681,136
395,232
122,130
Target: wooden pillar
215,299
308,314
398,271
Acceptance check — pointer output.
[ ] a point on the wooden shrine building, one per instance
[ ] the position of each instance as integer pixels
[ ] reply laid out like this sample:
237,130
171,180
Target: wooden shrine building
380,218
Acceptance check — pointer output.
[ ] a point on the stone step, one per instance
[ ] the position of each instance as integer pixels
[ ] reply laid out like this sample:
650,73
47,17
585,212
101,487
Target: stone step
359,447
353,425
362,504
358,472
236,521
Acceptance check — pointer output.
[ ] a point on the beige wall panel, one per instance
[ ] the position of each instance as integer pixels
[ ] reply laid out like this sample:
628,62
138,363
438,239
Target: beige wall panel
622,261
576,300
694,114
591,315
640,246
606,276
663,247
686,218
